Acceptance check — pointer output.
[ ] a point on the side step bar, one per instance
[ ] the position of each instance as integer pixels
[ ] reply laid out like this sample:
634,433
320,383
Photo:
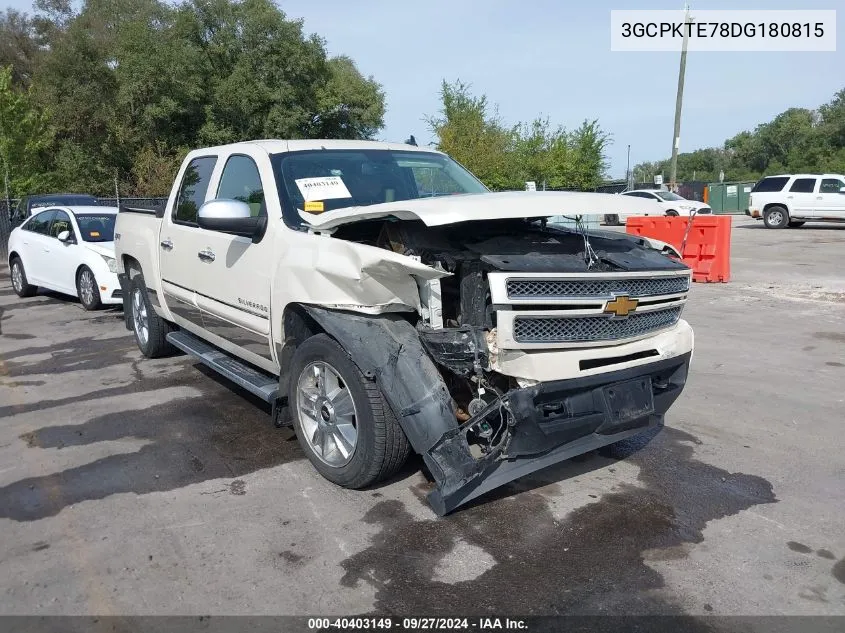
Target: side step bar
258,383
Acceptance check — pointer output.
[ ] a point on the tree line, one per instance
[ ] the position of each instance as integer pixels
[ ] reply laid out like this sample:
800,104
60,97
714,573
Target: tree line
798,140
111,94
122,89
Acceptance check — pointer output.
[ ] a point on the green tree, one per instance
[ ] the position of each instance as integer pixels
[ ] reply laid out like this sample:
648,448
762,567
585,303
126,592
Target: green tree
24,136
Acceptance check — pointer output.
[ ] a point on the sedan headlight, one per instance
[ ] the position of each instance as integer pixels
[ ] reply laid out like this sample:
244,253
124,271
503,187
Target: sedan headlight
110,262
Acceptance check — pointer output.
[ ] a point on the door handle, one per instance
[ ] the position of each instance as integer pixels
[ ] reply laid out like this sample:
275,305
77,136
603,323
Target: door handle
819,198
207,255
167,245
789,197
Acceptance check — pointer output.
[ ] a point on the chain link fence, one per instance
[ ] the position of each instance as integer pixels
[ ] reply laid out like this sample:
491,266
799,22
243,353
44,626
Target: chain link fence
7,222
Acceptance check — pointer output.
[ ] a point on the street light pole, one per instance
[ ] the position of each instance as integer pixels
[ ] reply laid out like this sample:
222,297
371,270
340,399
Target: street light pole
628,178
679,98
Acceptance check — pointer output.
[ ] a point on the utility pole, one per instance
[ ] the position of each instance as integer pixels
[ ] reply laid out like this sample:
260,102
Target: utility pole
628,179
679,99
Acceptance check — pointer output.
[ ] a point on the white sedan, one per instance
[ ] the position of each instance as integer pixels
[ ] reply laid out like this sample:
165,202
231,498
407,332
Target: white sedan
69,250
672,203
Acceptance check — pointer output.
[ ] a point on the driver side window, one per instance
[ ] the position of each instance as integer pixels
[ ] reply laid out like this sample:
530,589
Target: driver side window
61,222
241,181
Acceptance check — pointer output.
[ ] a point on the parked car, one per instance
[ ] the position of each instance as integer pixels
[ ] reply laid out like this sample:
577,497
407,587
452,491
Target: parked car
69,250
791,200
28,204
671,203
387,301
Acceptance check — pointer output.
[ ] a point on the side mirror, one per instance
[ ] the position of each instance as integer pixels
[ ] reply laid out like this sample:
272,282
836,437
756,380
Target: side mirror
231,216
65,237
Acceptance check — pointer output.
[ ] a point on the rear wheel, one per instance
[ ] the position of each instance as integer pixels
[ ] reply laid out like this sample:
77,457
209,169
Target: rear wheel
342,421
672,213
776,217
19,282
150,329
87,290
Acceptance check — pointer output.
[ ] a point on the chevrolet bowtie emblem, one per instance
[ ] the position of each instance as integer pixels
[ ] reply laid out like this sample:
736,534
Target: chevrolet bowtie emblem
621,306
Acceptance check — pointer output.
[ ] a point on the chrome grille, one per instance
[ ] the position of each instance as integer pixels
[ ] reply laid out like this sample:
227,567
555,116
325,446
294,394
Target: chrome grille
598,288
530,329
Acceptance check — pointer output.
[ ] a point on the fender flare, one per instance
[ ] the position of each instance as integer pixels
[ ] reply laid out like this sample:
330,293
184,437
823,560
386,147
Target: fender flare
387,349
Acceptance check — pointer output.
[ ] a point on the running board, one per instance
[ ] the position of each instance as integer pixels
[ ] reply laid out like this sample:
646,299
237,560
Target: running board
258,383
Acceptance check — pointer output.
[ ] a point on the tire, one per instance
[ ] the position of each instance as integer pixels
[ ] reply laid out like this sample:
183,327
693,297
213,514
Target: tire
671,213
20,284
380,447
776,217
150,330
87,290
794,224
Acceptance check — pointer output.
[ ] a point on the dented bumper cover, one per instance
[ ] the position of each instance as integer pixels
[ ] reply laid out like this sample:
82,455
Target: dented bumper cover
551,422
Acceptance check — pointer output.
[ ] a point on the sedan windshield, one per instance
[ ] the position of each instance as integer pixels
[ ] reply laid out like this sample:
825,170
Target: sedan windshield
324,180
96,227
669,196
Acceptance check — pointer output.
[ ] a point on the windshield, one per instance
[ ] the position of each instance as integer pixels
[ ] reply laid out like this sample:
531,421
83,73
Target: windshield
96,227
324,180
668,195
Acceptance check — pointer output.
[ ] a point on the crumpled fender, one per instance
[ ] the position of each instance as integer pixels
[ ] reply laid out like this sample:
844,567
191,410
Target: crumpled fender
387,349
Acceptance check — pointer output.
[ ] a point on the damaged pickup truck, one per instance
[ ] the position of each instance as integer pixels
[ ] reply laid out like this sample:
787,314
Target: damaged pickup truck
382,300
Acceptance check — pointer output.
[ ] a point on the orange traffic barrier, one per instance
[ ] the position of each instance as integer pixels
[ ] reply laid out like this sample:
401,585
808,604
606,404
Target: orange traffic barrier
704,243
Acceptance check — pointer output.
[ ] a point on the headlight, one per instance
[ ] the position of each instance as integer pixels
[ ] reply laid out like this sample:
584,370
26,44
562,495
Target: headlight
110,262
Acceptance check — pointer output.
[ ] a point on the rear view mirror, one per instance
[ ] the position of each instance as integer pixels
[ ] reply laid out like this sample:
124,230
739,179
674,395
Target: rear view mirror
65,237
231,216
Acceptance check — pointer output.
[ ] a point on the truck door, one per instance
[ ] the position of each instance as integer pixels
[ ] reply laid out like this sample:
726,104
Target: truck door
830,200
181,239
234,279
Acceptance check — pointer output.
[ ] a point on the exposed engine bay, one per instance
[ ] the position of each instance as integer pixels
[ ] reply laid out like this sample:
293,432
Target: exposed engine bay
458,321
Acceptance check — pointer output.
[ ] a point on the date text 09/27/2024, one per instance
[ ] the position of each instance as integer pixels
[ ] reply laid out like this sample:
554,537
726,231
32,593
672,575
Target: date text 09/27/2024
417,624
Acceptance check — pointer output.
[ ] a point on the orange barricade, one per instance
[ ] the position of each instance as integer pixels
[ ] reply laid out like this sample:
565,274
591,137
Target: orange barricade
708,242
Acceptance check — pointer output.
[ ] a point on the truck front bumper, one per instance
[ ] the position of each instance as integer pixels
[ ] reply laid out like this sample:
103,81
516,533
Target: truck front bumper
548,423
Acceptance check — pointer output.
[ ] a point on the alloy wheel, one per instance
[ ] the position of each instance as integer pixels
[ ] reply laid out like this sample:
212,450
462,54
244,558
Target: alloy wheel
327,414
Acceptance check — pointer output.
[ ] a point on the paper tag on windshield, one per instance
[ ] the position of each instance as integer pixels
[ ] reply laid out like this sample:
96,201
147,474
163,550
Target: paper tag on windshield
323,188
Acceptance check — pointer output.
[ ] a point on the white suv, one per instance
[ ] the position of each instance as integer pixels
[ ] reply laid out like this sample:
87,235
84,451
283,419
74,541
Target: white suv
789,201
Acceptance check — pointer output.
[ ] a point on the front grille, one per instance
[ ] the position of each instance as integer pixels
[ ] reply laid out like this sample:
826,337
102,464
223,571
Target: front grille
531,329
597,288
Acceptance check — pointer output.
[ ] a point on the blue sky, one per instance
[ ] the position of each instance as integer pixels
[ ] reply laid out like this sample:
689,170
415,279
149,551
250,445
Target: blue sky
553,58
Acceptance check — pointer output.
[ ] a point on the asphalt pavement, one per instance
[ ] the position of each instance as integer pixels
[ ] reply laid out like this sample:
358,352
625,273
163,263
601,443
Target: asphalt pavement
135,486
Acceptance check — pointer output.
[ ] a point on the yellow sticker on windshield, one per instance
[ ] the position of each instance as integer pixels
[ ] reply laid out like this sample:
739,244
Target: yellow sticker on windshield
314,206
94,233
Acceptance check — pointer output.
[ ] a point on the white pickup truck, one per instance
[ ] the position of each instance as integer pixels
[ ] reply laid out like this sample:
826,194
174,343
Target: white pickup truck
383,300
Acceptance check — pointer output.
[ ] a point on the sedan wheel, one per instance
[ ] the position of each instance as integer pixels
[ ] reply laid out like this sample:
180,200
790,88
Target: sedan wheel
20,284
327,414
89,294
17,277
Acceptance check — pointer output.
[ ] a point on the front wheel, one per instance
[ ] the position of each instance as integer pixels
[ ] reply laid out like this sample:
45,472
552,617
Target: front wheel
86,289
149,328
342,421
776,217
19,282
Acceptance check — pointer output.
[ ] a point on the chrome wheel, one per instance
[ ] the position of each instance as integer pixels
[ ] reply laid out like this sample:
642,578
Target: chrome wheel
775,218
87,285
327,414
139,317
17,277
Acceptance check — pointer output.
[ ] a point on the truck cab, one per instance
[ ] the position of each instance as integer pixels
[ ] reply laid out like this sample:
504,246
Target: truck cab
383,301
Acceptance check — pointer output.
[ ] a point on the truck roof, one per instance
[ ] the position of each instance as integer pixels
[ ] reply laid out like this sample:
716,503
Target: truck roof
278,146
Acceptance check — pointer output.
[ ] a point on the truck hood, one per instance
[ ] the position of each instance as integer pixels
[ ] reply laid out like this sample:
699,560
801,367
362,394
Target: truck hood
488,206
